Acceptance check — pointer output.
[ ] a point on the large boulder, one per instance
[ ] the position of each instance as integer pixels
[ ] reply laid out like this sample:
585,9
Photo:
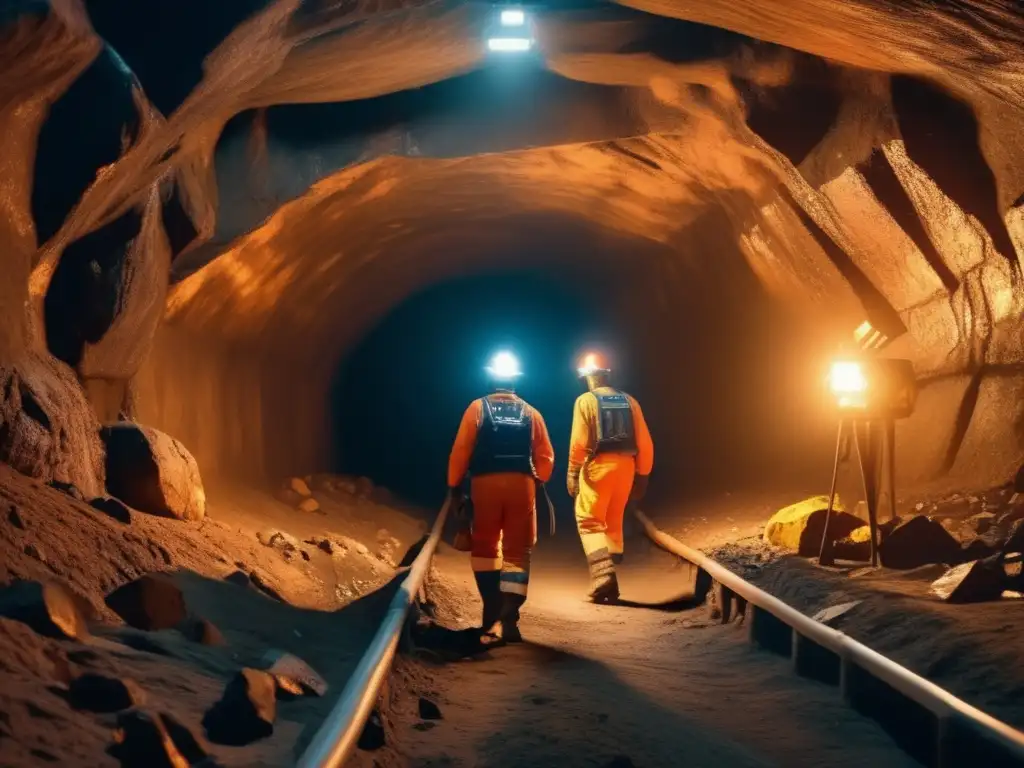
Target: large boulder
800,526
153,472
47,428
919,541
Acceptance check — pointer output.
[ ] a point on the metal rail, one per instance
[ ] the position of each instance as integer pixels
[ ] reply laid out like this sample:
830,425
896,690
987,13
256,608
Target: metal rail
962,734
337,737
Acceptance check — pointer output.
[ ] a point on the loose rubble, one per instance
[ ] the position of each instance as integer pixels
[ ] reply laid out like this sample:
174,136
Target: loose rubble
47,607
373,736
293,676
68,488
128,688
99,693
429,710
201,631
309,505
916,542
975,536
151,602
278,540
113,508
156,740
971,582
246,712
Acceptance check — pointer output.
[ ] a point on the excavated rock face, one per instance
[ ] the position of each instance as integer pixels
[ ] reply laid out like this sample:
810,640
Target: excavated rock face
861,159
47,429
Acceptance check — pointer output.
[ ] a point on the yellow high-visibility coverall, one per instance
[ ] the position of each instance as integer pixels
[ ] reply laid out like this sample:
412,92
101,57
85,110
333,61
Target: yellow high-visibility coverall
605,479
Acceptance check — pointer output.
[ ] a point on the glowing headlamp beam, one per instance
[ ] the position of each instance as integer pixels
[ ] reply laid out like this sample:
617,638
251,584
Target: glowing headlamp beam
513,17
509,44
590,366
504,365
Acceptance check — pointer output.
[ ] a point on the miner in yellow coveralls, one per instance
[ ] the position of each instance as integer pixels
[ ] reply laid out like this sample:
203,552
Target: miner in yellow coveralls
611,456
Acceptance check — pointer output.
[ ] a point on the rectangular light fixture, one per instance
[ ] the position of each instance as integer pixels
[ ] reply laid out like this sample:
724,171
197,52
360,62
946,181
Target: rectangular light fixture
873,387
509,44
513,17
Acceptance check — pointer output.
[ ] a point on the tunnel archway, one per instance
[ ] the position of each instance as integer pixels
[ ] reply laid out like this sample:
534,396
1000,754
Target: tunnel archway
400,393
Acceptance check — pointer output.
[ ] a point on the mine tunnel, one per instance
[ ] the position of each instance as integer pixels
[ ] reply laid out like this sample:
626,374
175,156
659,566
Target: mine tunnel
258,256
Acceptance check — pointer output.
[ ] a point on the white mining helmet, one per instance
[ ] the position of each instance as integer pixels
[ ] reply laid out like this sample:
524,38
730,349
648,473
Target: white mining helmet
504,366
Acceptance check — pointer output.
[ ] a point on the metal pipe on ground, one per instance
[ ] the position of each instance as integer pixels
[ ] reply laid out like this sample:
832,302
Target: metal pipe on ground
334,742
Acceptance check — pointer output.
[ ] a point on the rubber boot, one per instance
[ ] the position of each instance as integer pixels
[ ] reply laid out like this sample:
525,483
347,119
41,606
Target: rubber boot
488,583
604,585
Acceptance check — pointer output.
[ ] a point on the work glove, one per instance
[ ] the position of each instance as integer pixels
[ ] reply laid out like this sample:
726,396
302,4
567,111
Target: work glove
639,489
572,483
458,501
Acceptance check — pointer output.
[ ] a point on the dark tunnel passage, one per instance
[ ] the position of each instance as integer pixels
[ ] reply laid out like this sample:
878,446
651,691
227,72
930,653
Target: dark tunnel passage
719,375
400,394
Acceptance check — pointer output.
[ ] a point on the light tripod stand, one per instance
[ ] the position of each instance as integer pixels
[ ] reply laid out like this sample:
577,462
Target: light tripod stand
874,441
870,393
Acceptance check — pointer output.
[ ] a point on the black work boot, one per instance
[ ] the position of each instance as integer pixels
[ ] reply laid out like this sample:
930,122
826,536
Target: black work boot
604,585
510,617
489,585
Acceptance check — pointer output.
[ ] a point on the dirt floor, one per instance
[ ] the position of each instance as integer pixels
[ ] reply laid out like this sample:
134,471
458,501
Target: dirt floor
651,683
331,604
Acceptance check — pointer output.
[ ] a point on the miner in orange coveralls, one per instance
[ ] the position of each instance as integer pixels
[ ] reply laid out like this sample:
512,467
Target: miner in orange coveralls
503,445
611,455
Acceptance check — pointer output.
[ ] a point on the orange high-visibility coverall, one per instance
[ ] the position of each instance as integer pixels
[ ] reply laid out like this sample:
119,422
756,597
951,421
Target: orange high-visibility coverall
504,503
606,479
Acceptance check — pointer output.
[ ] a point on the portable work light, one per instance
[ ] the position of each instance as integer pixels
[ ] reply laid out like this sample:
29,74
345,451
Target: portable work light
873,388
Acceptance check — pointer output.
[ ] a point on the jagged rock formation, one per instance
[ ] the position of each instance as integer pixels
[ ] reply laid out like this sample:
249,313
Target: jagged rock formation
861,159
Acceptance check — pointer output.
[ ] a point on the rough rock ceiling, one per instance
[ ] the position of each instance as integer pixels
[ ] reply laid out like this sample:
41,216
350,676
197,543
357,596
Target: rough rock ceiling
833,192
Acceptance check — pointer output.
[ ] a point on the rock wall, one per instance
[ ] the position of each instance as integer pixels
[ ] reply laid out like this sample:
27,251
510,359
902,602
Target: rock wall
240,414
925,234
864,161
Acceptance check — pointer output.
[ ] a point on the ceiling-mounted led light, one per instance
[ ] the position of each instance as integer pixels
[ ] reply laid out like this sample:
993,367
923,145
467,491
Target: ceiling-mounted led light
509,44
513,17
